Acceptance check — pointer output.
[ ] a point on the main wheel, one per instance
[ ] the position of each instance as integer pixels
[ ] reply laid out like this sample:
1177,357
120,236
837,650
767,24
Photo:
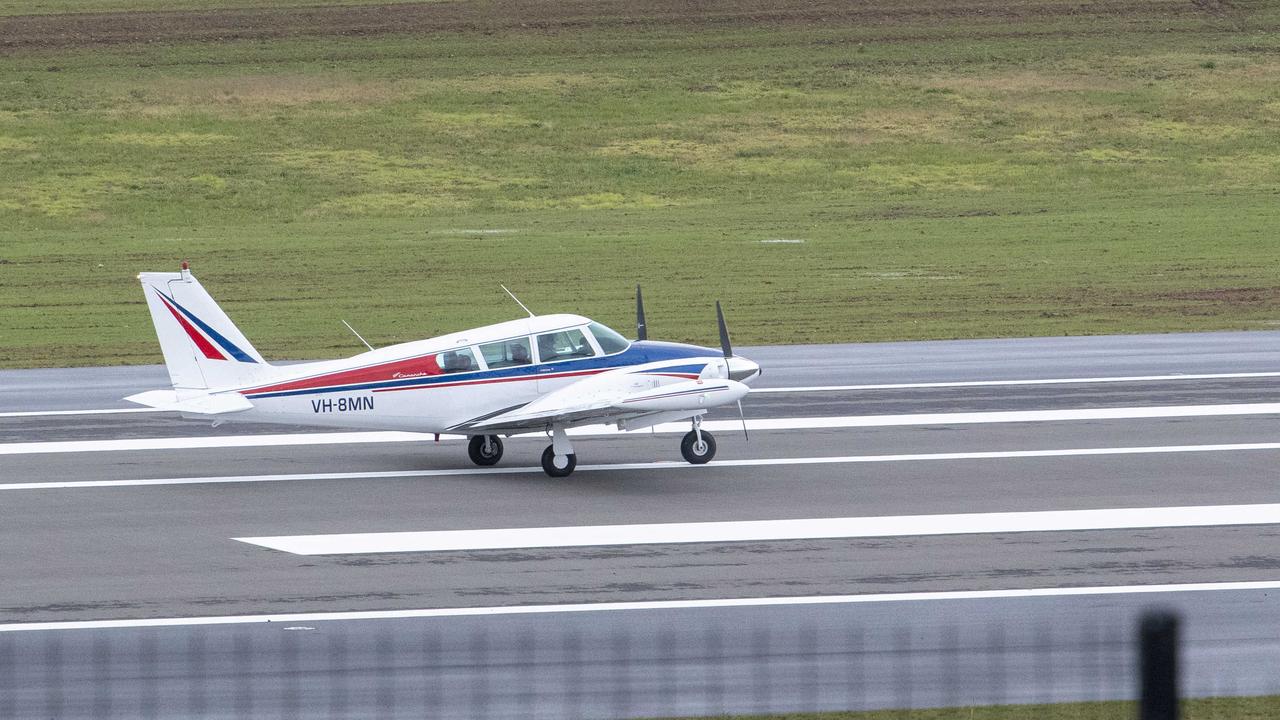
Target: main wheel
551,468
479,456
696,452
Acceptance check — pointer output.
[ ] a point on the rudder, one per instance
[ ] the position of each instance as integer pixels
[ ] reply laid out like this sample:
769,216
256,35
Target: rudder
202,348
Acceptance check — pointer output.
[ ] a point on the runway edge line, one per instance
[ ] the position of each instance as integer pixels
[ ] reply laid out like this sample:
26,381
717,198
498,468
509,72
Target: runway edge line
647,605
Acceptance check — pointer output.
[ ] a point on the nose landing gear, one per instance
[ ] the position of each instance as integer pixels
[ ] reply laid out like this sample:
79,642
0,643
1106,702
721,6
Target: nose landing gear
698,446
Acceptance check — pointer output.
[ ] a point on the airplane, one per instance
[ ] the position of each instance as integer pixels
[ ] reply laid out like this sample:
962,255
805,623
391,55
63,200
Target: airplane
544,373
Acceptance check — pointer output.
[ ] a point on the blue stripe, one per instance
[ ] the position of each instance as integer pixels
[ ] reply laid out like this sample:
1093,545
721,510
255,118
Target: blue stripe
694,369
226,344
638,353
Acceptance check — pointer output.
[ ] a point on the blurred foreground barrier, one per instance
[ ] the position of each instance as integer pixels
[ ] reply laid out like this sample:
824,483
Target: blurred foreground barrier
1158,645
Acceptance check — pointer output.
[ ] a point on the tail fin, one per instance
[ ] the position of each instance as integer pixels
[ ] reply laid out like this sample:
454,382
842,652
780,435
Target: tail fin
202,348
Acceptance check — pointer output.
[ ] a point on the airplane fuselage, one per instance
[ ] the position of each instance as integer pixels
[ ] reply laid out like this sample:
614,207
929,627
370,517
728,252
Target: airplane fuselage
399,388
546,373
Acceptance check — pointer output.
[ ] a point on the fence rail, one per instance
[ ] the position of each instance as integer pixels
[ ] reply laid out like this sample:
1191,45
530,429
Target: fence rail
518,667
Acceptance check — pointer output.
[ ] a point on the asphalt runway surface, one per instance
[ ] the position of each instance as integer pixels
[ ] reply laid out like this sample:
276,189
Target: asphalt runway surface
131,550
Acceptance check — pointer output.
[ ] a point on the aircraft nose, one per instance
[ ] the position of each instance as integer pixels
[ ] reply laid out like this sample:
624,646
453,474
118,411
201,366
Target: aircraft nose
742,369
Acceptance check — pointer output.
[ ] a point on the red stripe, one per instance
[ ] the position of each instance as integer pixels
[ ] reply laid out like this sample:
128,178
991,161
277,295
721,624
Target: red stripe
201,342
425,366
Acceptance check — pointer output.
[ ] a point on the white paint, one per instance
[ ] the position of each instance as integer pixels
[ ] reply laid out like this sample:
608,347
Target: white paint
1003,383
770,530
192,443
733,426
652,605
745,462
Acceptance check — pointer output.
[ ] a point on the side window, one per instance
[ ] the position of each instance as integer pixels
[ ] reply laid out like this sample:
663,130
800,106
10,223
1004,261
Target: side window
508,353
564,345
456,361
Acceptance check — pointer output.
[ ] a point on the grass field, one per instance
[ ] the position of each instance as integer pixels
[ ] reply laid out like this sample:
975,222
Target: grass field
832,171
1261,708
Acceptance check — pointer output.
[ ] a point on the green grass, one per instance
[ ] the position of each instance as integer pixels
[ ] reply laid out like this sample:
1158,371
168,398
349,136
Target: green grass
49,7
1032,174
1250,708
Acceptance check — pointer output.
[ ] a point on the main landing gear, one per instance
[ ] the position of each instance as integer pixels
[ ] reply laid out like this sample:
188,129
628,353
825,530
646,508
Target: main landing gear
559,460
485,450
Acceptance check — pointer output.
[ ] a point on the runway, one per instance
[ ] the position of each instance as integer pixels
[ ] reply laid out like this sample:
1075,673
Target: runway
124,532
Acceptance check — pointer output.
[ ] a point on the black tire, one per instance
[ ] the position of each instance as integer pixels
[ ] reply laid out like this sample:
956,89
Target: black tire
689,449
549,466
475,449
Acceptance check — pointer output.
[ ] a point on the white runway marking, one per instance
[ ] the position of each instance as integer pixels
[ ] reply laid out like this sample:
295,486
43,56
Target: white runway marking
1001,383
816,388
743,462
650,605
103,411
769,530
733,426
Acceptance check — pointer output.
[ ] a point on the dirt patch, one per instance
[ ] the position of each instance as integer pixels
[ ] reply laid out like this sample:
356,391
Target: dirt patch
912,212
1229,296
93,29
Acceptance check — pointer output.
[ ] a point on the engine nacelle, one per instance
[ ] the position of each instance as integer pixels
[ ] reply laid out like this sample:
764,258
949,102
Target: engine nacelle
685,395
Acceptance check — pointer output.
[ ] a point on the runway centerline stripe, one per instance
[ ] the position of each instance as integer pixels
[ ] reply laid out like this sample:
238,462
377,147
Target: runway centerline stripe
1007,383
741,462
772,530
950,596
769,424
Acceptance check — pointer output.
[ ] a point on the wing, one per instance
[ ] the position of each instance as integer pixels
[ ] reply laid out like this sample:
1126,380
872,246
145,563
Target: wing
610,397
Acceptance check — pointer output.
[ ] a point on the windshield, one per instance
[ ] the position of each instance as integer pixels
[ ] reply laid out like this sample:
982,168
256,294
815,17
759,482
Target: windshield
610,341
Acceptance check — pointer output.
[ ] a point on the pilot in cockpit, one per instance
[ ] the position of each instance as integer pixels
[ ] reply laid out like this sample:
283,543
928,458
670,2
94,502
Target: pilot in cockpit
519,354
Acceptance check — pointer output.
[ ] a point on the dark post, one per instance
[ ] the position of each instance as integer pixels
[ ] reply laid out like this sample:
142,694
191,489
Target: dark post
1159,666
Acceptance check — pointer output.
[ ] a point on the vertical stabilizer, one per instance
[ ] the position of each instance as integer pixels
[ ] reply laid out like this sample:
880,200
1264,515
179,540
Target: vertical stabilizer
202,348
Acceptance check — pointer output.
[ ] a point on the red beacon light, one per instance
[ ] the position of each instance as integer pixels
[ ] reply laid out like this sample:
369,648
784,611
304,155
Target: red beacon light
186,265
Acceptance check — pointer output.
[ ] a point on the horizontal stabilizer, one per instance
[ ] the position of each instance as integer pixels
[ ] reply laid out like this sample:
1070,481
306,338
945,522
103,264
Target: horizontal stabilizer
219,404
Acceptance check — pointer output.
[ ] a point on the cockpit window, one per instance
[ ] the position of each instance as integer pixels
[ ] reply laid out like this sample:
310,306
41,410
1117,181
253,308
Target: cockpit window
564,345
610,341
456,361
508,353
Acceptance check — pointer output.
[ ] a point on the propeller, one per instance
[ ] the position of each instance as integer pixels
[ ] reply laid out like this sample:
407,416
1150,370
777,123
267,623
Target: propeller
727,348
642,330
724,333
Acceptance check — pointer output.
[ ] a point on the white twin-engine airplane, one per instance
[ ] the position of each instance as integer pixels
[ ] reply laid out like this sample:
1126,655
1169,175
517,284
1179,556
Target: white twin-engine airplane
541,373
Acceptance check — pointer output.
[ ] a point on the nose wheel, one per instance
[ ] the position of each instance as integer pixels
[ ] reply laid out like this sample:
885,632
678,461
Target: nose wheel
485,450
698,446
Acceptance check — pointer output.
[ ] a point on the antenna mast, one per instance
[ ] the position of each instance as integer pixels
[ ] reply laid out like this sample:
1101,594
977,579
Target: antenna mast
353,332
513,297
